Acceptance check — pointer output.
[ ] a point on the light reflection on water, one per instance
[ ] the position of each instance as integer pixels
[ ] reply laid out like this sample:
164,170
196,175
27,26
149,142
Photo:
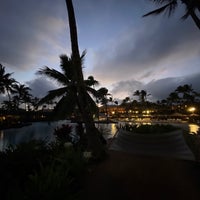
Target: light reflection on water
193,128
44,130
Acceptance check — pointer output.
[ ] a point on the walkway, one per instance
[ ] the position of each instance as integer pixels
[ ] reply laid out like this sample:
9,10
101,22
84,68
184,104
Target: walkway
135,170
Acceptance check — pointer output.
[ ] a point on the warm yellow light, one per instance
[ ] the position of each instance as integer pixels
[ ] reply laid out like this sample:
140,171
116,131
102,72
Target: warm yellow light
191,109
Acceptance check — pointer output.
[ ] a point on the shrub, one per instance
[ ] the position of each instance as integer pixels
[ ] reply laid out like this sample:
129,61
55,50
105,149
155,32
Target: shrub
37,170
63,133
150,129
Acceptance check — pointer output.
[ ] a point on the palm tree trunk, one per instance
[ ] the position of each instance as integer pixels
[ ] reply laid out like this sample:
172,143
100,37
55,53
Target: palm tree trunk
94,142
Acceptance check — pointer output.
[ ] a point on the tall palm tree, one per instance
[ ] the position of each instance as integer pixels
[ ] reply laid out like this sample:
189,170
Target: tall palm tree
142,95
94,141
22,94
6,82
192,9
67,94
104,97
186,92
173,98
137,93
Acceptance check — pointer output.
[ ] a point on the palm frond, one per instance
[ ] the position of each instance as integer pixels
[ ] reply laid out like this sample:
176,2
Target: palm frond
170,7
66,65
52,94
186,15
92,91
54,75
92,105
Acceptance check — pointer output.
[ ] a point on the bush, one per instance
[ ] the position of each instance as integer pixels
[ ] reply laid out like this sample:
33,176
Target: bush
37,170
150,129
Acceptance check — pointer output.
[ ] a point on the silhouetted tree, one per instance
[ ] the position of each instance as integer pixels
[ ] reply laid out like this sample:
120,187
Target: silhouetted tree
93,135
67,94
6,82
192,8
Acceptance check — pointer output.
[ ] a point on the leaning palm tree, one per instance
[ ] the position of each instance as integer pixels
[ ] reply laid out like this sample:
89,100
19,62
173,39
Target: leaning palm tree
93,135
192,9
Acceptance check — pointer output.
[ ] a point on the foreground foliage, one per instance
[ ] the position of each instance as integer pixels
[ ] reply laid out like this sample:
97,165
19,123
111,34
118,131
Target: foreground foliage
150,129
37,170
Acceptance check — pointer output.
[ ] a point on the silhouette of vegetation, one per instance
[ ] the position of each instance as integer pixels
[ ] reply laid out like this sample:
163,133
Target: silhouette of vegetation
93,135
192,9
67,95
37,169
150,129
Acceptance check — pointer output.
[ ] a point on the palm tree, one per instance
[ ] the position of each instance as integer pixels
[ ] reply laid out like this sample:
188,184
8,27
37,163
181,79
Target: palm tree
6,82
173,98
142,95
22,94
192,9
93,135
67,95
137,93
104,97
188,94
91,81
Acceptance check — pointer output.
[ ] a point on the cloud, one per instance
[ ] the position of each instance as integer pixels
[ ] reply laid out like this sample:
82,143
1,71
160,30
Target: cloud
159,89
31,32
152,49
40,86
123,89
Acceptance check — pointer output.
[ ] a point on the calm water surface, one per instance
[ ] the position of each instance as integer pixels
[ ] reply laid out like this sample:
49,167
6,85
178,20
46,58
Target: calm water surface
45,130
42,130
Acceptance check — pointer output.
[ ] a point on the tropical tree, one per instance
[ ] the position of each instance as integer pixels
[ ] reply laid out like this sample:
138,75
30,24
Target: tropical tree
67,94
93,135
137,93
104,98
142,95
21,94
192,9
173,98
6,82
126,103
91,82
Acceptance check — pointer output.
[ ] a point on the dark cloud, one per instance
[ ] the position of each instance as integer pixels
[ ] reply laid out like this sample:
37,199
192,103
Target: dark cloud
124,46
152,48
29,29
159,89
126,88
40,86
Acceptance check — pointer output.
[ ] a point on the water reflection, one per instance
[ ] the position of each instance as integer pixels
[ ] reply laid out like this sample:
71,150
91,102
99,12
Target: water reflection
193,128
1,135
44,130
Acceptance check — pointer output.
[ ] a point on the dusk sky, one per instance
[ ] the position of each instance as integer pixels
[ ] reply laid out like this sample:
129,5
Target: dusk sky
125,52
